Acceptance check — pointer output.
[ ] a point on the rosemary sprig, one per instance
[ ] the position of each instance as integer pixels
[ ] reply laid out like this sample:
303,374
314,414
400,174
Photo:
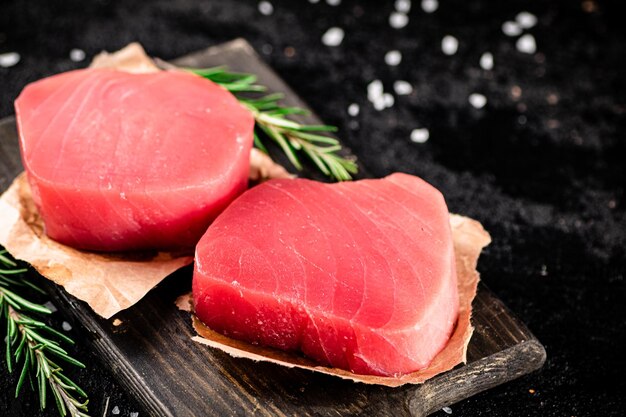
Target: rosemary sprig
31,343
272,121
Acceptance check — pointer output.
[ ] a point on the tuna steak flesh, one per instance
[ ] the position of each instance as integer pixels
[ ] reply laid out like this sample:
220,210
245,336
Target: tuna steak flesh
120,161
358,275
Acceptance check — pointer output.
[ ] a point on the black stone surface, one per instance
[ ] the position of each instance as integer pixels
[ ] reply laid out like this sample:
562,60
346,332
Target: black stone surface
541,165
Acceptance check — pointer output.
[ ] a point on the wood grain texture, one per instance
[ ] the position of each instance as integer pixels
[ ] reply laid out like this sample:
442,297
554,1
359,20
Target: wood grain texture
153,356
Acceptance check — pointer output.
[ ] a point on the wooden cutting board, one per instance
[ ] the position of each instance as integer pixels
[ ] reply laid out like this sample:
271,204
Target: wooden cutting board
152,355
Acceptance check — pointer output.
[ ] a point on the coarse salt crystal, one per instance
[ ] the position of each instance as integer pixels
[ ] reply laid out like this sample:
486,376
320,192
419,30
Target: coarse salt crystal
398,20
134,414
333,2
66,326
266,8
354,109
50,306
486,61
374,90
447,410
9,59
393,58
333,37
77,55
510,28
449,45
420,135
477,101
388,100
526,20
526,44
402,88
430,6
403,6
116,410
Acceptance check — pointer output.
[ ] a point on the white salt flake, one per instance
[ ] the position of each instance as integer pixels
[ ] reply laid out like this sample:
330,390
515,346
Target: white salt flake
402,88
477,101
77,55
66,326
333,2
526,44
486,61
447,410
403,6
354,109
116,410
374,90
393,58
398,20
50,306
388,100
379,103
449,45
420,135
333,37
526,20
510,28
266,8
430,6
9,59
134,414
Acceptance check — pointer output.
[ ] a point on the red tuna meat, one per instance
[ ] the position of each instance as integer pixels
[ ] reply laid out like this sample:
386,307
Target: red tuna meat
120,161
359,276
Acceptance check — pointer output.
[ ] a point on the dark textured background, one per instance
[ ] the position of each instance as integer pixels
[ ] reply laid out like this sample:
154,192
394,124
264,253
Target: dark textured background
544,171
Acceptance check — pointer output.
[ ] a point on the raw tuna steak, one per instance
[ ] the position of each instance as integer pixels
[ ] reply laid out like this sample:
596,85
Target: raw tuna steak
359,276
120,161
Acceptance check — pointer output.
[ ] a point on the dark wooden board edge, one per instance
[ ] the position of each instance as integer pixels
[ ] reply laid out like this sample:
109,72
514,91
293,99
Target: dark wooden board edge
486,368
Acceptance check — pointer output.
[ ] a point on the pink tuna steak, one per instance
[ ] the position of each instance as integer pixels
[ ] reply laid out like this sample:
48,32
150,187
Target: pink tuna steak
120,161
358,276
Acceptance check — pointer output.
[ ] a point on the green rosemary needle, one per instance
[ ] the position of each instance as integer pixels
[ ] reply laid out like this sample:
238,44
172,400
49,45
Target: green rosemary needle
272,121
33,344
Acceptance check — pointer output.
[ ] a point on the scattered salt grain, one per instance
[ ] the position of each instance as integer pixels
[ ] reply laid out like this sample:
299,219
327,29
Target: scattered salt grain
116,410
402,88
379,103
333,2
449,45
66,326
333,37
526,44
393,58
9,59
486,61
477,101
544,271
526,20
510,28
50,306
354,109
420,135
403,6
430,6
374,90
266,8
447,410
388,100
398,20
134,414
77,55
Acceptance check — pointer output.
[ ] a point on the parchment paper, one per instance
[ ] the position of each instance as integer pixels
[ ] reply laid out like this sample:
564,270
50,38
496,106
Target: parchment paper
469,240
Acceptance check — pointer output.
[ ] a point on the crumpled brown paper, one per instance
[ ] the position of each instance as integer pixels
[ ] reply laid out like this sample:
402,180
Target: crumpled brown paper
109,283
469,240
